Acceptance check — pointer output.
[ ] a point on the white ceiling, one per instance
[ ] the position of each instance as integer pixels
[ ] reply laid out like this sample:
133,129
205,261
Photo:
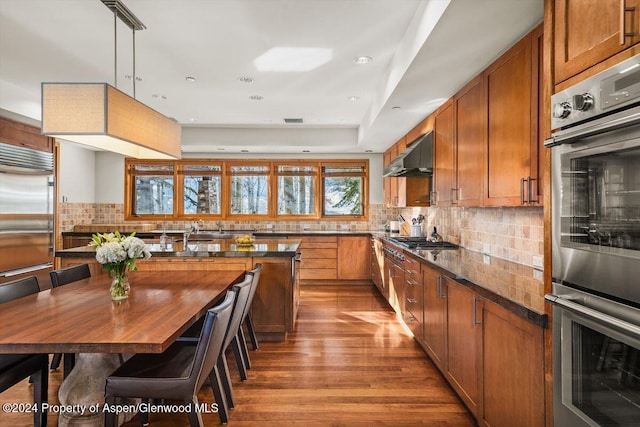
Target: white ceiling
422,50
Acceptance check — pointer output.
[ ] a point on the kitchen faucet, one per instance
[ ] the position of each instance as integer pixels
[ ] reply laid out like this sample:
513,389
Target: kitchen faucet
188,230
219,224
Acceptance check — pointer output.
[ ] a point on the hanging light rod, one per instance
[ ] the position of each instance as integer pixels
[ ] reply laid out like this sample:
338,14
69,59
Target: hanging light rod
125,15
101,116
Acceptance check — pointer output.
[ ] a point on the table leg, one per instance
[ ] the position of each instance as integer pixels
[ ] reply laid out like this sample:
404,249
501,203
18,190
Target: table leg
83,391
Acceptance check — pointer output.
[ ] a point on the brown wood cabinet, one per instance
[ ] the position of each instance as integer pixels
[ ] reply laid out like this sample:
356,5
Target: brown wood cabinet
464,344
16,133
512,134
377,264
413,297
435,316
319,258
513,381
353,257
444,161
589,31
471,139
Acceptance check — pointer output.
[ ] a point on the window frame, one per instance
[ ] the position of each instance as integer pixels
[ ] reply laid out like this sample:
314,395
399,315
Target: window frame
364,174
225,174
181,172
316,187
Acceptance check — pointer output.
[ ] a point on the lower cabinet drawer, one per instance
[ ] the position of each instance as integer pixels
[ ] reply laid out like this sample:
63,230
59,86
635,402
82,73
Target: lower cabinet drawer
318,274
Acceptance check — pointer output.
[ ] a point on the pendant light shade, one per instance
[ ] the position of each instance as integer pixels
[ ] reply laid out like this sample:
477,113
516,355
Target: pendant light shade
101,116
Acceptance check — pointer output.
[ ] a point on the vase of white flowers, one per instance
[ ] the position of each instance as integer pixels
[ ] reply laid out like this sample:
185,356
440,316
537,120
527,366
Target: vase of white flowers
118,254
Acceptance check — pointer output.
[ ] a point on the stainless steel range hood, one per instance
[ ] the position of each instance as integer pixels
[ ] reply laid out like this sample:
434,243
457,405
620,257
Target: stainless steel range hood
417,160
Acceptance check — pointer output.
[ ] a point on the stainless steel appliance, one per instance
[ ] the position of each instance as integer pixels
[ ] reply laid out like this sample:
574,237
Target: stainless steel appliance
596,249
421,243
26,213
416,160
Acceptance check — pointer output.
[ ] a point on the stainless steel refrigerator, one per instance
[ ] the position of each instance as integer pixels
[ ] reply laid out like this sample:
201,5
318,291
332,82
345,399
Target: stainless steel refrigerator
26,213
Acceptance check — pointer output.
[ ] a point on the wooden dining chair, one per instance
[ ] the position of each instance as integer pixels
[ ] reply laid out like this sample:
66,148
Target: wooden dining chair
16,367
242,360
62,277
179,372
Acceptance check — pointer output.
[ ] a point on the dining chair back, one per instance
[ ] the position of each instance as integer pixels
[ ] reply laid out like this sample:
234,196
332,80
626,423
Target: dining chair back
16,367
242,291
243,360
176,374
67,275
61,277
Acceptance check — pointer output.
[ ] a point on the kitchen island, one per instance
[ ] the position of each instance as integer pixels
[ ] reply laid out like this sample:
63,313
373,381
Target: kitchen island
275,304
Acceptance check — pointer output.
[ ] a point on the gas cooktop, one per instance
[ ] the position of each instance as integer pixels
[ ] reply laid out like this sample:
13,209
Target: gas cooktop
421,243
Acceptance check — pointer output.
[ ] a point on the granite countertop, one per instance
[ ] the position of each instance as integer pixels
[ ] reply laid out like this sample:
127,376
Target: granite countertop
211,248
256,233
516,287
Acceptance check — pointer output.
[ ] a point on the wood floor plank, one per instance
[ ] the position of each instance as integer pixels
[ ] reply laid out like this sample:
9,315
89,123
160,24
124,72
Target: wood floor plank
350,362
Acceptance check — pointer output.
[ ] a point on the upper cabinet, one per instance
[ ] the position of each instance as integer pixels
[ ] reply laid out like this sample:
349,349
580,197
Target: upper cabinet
471,139
512,133
444,155
589,31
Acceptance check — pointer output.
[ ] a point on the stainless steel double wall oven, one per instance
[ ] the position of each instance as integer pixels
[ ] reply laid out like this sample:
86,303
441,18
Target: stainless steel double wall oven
596,249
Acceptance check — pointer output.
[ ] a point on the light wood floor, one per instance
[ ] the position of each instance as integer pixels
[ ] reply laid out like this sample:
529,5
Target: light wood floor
349,363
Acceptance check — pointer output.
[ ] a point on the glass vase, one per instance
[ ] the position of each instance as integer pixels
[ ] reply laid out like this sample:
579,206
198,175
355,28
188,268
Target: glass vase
120,286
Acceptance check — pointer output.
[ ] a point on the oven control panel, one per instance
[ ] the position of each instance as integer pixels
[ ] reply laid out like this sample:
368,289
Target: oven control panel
599,95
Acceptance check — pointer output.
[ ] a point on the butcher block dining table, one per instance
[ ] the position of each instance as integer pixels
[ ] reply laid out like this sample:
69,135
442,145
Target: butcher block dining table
81,318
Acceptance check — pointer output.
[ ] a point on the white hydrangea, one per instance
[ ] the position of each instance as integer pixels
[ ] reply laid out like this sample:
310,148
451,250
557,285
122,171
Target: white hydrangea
136,248
110,252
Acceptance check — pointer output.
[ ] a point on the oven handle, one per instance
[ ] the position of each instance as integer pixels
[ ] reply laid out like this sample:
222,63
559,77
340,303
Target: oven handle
601,125
593,314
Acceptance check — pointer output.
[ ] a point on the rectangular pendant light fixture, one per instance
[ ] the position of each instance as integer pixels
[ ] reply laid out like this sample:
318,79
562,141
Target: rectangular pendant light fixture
101,116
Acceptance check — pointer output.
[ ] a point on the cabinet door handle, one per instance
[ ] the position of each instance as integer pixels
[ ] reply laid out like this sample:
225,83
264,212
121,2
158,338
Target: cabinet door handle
623,11
452,194
441,295
412,300
475,312
432,197
533,194
522,199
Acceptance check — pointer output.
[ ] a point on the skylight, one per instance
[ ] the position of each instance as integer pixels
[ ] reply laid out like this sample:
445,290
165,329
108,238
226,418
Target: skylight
293,59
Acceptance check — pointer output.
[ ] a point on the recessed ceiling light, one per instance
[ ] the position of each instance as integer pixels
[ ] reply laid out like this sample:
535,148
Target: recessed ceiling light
368,151
353,98
244,151
190,79
306,151
256,97
193,120
246,79
362,59
395,108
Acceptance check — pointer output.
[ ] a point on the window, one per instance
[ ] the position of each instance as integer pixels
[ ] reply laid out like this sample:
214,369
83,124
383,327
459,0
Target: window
246,189
297,189
249,190
343,190
153,189
201,184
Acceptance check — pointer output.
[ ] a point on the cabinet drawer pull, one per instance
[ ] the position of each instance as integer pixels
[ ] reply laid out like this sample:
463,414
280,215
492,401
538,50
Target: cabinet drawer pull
412,300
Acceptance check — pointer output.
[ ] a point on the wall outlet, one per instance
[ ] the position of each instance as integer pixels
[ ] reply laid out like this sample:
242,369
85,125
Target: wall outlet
537,274
486,248
486,259
538,262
